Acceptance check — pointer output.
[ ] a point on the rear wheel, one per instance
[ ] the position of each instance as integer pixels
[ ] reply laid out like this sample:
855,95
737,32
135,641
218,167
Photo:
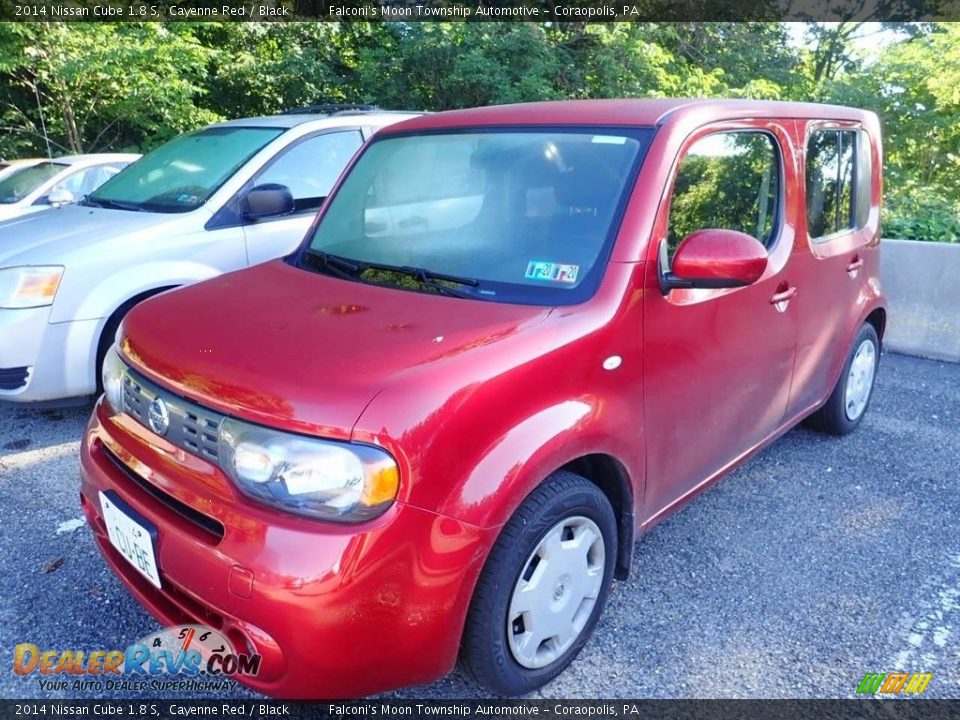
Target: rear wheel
543,587
848,403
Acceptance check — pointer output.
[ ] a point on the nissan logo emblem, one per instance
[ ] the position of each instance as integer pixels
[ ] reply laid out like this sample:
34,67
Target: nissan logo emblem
158,417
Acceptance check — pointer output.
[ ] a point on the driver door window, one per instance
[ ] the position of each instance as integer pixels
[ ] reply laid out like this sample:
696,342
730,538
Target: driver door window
728,181
312,166
86,181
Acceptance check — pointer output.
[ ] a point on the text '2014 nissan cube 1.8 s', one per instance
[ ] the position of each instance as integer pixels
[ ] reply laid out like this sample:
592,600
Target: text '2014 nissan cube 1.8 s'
513,339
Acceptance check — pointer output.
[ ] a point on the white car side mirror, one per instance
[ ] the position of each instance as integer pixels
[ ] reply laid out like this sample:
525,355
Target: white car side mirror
60,197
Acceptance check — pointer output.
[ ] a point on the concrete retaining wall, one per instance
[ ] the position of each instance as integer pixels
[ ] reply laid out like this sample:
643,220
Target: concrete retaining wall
922,283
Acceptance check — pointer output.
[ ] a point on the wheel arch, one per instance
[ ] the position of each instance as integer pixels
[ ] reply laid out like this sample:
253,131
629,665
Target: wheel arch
878,318
121,310
128,304
875,315
610,476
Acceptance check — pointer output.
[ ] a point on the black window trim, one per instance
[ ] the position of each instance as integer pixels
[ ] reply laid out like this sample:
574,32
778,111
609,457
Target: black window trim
229,215
776,232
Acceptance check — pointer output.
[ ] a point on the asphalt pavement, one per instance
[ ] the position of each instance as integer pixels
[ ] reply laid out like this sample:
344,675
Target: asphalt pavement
819,560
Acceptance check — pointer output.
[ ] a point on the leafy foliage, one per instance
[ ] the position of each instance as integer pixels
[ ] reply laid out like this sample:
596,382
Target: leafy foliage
92,87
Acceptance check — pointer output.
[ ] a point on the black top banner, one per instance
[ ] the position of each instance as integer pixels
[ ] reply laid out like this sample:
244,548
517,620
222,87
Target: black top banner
493,709
478,10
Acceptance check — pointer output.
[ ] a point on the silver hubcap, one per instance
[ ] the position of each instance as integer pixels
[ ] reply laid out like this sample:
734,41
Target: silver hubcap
556,592
860,379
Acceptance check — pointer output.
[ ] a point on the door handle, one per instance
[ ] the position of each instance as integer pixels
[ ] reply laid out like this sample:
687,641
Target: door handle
782,299
853,268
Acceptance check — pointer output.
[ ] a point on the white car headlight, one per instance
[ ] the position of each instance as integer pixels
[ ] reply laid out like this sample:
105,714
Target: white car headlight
112,378
30,286
317,478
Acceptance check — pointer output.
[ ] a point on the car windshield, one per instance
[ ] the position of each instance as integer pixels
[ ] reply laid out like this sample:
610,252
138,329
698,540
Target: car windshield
516,215
20,182
182,174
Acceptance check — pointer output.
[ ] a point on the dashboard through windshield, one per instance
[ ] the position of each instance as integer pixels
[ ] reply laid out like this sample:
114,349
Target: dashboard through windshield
513,215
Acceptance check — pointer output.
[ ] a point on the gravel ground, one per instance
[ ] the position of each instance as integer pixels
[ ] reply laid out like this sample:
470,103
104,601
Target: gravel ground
818,561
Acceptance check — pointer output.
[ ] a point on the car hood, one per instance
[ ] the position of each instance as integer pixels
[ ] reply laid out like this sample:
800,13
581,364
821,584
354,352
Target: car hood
47,236
284,346
12,210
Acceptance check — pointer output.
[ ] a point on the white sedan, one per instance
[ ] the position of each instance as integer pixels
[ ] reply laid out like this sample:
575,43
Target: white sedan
29,186
8,167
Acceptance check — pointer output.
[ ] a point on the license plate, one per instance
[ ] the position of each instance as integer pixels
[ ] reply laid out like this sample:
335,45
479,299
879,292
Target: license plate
132,538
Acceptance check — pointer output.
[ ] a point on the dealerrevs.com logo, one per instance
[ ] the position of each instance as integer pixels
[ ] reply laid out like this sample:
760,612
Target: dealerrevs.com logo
197,655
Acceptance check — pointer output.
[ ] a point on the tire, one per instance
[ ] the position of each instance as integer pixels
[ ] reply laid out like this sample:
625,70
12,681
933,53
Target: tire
106,340
499,650
844,411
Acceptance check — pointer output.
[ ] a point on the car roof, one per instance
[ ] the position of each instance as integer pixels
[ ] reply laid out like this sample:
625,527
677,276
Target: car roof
90,158
622,112
293,119
14,162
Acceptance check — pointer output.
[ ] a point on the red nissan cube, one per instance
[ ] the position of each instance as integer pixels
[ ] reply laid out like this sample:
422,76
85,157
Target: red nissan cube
513,339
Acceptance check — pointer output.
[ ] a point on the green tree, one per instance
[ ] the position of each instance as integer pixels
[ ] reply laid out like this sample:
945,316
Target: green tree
99,86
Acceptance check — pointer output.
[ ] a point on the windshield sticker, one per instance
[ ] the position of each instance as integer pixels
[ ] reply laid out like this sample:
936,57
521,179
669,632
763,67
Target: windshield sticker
552,272
608,139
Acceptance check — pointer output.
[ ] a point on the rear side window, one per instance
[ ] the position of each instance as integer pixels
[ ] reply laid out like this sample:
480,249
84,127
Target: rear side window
838,182
728,181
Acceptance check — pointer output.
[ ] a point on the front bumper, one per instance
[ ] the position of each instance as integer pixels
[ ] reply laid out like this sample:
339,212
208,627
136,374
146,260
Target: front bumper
334,611
41,361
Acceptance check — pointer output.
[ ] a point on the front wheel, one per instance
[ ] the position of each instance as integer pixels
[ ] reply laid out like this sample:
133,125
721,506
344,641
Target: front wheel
848,403
543,587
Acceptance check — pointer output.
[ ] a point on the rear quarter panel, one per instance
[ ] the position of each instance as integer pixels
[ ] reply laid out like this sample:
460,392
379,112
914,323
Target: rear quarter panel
834,305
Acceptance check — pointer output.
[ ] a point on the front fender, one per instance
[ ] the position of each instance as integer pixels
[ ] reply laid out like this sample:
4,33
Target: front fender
524,456
98,297
109,293
488,455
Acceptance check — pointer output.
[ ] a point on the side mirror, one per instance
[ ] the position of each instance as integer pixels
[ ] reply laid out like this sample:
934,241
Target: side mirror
716,259
60,197
267,200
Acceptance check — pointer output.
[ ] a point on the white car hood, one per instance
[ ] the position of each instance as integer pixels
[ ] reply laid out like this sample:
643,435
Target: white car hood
48,236
12,210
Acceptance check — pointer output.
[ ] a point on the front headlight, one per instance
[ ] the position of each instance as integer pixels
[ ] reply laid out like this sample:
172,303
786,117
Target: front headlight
317,478
112,378
29,287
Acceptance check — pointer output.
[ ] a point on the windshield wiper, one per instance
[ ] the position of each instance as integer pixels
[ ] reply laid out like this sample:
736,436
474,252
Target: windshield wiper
431,279
354,269
336,265
111,204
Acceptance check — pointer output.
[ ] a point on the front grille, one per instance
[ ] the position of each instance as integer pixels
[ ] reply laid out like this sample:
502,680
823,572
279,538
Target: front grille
202,521
13,378
192,428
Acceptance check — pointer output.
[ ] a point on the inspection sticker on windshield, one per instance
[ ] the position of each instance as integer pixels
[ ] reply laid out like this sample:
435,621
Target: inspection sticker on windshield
552,272
608,139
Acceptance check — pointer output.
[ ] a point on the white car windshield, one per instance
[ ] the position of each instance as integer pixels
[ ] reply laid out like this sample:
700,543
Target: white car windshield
20,182
181,175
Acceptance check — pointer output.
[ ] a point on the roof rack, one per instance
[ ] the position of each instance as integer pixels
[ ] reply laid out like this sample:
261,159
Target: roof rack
331,109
